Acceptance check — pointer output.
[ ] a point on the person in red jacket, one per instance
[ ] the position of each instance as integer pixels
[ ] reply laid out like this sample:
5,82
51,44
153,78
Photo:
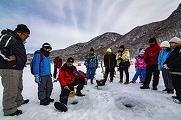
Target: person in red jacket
151,58
69,77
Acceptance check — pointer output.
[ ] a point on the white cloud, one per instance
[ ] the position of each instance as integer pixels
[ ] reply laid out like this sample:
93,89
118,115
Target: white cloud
63,23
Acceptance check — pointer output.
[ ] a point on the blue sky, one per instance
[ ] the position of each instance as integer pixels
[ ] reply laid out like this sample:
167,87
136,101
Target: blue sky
66,22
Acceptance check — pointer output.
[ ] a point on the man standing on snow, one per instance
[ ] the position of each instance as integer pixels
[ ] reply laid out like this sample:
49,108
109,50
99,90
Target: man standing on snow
151,58
42,72
12,61
91,64
109,63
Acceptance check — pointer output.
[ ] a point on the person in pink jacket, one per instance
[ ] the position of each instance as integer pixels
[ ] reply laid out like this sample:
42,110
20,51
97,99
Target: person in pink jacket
140,65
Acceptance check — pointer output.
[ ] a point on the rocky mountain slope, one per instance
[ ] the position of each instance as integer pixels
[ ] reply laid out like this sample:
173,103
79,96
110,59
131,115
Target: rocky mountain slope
136,38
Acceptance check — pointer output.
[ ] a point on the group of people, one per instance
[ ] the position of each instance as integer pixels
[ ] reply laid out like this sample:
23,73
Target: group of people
12,62
150,61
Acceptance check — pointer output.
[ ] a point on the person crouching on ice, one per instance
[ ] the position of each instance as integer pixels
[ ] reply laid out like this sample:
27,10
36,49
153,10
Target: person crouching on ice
68,78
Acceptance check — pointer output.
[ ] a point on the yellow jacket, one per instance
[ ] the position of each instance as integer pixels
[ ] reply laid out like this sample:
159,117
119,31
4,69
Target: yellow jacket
125,56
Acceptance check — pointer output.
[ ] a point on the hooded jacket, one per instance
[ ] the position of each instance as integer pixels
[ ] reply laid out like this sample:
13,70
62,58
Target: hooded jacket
11,44
68,75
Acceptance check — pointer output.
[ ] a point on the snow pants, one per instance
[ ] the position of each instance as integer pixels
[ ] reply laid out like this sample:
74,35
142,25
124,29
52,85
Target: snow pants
65,93
45,88
12,83
139,72
167,78
152,70
90,72
176,79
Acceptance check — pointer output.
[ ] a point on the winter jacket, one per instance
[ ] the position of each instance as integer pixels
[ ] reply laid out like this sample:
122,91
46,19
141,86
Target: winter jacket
122,56
151,54
173,61
140,63
11,44
41,67
91,61
163,55
68,75
110,60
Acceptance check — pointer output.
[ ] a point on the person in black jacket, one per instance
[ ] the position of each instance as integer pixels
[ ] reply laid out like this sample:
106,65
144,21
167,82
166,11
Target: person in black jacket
109,63
173,64
12,61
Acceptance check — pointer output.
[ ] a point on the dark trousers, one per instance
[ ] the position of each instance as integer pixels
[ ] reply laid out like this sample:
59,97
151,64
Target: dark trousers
176,80
125,69
152,70
65,93
111,70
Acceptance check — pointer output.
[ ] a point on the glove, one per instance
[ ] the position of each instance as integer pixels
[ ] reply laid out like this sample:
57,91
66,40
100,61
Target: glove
165,66
37,79
55,80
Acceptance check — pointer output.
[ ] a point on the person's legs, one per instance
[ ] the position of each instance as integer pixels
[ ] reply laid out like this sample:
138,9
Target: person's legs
64,95
127,74
19,99
177,85
111,74
42,91
156,74
148,76
138,72
121,74
49,88
10,82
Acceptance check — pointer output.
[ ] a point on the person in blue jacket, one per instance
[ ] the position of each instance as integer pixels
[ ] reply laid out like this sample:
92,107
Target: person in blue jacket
163,55
42,72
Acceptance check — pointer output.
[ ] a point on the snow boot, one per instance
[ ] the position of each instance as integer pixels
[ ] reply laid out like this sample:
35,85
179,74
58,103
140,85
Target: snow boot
49,99
144,87
78,93
60,106
92,81
44,102
18,112
26,101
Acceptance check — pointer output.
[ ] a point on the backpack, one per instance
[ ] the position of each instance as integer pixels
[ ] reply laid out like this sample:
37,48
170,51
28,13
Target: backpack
31,64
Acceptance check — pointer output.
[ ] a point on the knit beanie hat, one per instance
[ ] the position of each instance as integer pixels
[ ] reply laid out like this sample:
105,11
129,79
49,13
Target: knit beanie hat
175,40
22,28
109,50
92,49
70,59
46,46
142,52
152,40
165,44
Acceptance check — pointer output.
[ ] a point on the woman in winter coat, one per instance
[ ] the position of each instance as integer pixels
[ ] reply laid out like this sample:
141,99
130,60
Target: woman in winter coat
122,58
173,64
140,65
163,55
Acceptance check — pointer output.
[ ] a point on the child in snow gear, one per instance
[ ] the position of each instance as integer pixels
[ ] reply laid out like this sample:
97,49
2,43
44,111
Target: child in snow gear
140,65
122,58
42,73
68,78
91,64
12,61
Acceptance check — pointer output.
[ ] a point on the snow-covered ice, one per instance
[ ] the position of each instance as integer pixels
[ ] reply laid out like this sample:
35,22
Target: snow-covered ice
114,101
